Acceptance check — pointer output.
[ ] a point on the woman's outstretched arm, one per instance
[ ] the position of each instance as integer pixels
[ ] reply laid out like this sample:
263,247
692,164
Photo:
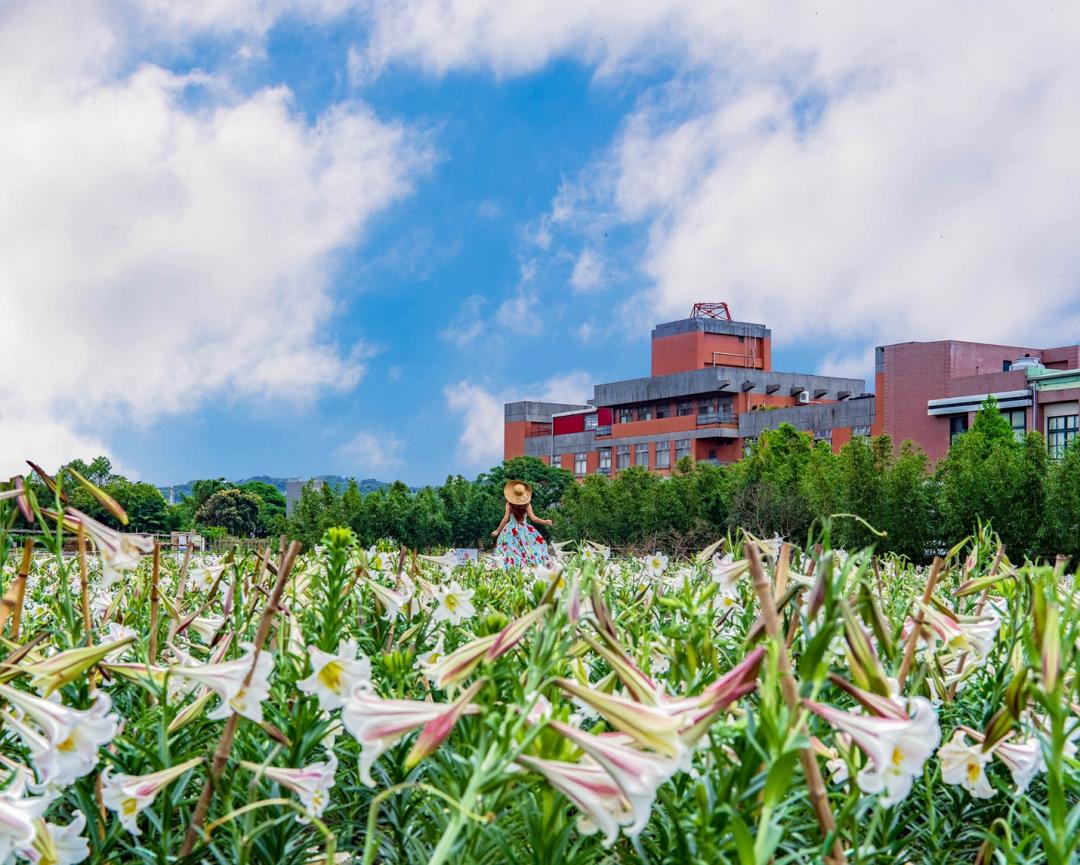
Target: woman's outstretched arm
505,520
532,516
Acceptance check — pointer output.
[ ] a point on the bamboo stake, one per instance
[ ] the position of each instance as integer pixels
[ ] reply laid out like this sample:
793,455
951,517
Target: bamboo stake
155,600
913,637
221,753
84,586
819,799
12,602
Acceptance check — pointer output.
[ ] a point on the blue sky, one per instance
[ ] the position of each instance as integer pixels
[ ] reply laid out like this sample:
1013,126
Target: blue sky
332,237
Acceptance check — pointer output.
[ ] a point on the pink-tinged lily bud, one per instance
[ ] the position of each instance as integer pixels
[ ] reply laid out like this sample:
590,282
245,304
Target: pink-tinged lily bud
460,663
129,795
739,681
573,601
108,502
47,479
591,790
377,723
69,666
641,687
513,633
638,774
650,726
604,621
22,498
875,704
438,729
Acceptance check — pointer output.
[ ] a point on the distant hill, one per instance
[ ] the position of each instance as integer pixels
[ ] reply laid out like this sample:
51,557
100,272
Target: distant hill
367,485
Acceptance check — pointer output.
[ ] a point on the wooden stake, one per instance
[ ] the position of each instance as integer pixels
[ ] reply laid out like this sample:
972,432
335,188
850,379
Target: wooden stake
913,637
815,784
12,603
224,746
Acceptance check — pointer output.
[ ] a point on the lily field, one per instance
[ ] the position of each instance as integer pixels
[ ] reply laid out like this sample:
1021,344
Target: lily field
765,701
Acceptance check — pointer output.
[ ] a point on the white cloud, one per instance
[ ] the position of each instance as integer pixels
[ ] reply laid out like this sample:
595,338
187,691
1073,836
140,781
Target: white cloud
480,443
468,323
588,272
870,173
165,241
371,452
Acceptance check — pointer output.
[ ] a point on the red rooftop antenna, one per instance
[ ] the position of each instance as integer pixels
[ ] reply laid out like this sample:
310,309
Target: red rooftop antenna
711,310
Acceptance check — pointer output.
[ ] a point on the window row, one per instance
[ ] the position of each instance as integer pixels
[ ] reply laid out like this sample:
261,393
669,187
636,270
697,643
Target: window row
639,454
682,408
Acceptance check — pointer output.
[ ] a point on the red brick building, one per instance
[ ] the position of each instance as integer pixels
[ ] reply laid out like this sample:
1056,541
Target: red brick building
929,391
711,393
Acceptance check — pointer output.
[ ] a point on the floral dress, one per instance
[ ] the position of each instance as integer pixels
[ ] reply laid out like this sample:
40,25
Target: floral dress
521,546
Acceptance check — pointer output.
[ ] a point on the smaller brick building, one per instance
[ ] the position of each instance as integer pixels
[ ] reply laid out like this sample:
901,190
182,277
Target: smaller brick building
711,393
929,391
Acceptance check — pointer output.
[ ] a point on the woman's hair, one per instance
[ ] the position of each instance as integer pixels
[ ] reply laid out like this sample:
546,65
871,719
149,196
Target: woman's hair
518,511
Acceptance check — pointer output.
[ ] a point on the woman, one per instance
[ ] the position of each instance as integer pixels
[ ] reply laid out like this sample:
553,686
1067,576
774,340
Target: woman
519,544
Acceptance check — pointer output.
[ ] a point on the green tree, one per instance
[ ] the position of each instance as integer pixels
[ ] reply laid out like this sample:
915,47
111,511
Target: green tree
234,510
1063,503
271,506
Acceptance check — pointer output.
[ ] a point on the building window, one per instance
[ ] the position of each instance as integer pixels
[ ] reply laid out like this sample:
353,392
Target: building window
682,448
581,463
590,422
685,408
641,455
705,406
860,432
1006,365
644,412
958,425
1018,421
663,409
823,435
605,459
663,455
748,445
626,415
1060,433
622,456
712,453
556,461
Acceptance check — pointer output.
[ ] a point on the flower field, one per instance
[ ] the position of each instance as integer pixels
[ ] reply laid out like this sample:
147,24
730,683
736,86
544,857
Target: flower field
761,702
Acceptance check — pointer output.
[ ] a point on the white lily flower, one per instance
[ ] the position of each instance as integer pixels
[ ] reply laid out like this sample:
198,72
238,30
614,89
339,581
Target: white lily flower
115,633
119,551
207,626
897,747
391,601
129,795
59,845
334,677
203,577
66,748
964,764
431,659
310,783
655,565
18,816
454,604
226,679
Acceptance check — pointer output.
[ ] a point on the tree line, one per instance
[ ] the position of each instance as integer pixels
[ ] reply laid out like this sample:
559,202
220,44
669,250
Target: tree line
782,486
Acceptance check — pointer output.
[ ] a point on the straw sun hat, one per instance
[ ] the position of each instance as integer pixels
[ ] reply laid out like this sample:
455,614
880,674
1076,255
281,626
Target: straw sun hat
517,492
